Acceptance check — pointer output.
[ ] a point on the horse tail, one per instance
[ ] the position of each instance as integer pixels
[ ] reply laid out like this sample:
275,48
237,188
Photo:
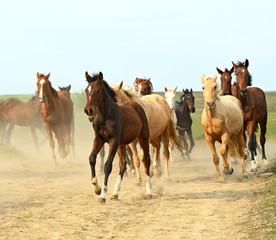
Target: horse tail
173,136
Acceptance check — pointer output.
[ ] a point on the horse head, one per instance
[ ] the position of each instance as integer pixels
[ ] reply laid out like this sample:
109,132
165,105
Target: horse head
188,99
170,96
243,77
226,79
143,86
44,87
211,91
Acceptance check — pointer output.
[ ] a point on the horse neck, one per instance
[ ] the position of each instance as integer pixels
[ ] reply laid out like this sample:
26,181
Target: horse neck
104,110
50,103
186,110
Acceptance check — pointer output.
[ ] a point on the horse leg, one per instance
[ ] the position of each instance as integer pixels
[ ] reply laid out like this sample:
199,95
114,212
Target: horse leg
113,146
192,143
246,152
211,144
51,142
122,164
129,159
102,153
9,131
251,145
239,141
223,152
33,131
68,141
166,154
136,161
144,143
263,140
156,162
97,145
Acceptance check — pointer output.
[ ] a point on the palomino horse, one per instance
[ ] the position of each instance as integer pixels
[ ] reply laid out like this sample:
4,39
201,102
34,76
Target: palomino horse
184,122
57,114
170,98
222,121
25,114
255,110
160,124
143,86
118,126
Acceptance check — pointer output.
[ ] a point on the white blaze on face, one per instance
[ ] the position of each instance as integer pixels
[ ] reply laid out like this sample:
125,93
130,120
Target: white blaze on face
89,91
139,89
243,70
41,88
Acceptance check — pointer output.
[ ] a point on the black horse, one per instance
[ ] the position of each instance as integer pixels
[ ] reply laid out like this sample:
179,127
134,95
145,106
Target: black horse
184,121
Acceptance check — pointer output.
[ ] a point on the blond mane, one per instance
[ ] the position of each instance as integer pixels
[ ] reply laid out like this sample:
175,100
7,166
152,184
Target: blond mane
204,80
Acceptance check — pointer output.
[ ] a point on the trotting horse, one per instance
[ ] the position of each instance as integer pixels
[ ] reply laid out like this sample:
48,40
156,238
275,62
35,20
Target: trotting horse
183,110
255,110
160,124
57,114
118,126
222,121
25,114
143,86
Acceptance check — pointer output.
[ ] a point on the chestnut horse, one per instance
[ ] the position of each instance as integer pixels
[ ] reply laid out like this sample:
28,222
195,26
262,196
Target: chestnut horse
143,86
222,121
25,114
183,110
3,120
57,114
118,126
160,124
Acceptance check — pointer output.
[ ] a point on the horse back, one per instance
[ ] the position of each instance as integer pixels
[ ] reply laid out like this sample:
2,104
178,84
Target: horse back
260,106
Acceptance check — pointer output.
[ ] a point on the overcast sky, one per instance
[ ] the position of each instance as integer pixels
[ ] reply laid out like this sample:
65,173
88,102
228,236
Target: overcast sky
173,42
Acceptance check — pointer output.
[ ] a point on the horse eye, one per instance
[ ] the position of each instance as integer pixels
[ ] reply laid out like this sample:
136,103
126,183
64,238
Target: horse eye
202,88
98,91
215,87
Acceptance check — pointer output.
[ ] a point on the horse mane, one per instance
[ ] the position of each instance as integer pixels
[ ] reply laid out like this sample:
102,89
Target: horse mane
128,93
242,64
109,90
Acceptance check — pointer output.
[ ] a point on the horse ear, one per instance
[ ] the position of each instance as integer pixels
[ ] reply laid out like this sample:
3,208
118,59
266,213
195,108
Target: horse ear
183,90
100,77
219,71
87,76
121,84
191,91
231,70
215,76
203,78
137,80
175,89
37,75
246,63
69,87
149,79
166,90
47,76
235,66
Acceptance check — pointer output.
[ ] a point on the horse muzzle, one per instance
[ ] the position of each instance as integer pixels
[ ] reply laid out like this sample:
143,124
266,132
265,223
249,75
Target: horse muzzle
210,105
243,92
42,99
192,110
89,112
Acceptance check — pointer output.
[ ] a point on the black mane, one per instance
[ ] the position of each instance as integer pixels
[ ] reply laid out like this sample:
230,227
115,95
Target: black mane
109,90
242,64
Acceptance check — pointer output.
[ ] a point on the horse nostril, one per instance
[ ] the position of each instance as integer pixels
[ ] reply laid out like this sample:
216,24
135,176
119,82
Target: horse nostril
90,111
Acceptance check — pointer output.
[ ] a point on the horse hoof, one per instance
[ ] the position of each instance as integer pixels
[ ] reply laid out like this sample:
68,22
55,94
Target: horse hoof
98,192
245,176
258,165
101,200
114,197
148,196
138,184
254,170
228,173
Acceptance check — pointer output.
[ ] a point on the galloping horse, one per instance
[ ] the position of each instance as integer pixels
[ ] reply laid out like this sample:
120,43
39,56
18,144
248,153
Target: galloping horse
160,124
57,114
184,122
118,126
255,110
222,121
143,86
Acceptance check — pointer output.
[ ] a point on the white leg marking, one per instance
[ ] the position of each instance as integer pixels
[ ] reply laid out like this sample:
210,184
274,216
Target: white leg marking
103,192
96,185
117,186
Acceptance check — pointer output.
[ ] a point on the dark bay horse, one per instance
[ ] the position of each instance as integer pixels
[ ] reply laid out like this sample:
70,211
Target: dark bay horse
183,110
57,114
118,126
254,106
143,86
25,114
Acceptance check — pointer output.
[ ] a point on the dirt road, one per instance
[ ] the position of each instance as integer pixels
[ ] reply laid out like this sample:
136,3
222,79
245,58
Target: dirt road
38,201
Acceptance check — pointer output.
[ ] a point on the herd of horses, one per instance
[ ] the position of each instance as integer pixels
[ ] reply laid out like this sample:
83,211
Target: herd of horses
123,118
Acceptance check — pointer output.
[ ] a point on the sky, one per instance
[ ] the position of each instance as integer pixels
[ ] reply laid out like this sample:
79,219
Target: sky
172,42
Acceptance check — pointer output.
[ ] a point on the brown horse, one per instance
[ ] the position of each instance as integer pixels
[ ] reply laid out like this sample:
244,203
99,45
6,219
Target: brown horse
25,114
57,114
3,120
118,126
222,121
143,86
254,106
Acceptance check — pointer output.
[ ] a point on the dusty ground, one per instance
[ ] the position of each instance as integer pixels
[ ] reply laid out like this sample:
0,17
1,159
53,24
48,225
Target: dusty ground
39,201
